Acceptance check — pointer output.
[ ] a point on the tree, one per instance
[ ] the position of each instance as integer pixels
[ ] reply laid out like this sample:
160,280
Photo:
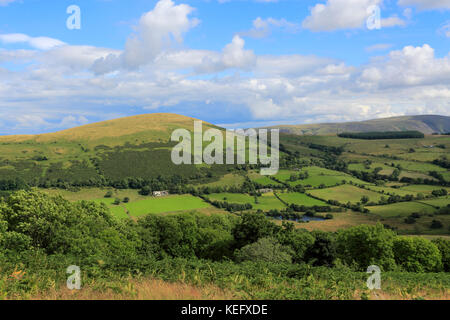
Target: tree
109,194
366,245
436,224
252,227
323,251
414,254
266,250
298,240
444,247
364,199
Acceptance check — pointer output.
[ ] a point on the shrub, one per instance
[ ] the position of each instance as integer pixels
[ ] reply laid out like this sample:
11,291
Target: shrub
266,250
366,245
444,247
414,254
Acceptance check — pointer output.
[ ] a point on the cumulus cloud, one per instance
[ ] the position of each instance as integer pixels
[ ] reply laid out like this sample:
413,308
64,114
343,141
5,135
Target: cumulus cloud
345,14
411,66
233,56
157,30
69,85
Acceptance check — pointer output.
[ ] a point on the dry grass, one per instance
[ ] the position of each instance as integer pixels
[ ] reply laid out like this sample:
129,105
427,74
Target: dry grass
158,122
424,294
144,289
341,220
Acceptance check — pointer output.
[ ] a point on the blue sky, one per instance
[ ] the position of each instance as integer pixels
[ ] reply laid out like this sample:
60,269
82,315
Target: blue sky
234,63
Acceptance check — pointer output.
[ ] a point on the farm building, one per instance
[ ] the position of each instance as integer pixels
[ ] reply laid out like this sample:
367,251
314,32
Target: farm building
265,190
160,193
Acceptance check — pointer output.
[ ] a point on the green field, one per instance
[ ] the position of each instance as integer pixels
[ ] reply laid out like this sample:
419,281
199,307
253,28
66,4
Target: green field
439,202
155,205
422,188
401,209
300,199
392,191
317,176
165,204
262,180
346,193
266,202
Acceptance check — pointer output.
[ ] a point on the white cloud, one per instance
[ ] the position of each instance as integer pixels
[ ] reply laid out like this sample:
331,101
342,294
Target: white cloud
426,4
41,43
411,66
263,27
233,56
60,88
4,3
345,14
445,29
379,47
157,30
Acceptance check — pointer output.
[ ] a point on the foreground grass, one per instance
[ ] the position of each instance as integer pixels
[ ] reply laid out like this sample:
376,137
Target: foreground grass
395,286
138,289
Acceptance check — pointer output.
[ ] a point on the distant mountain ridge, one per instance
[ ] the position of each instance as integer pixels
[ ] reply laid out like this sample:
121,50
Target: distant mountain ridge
427,124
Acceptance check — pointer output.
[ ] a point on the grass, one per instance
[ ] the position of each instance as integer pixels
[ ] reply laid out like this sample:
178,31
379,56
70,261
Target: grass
401,209
300,199
345,193
422,188
262,180
227,180
439,202
165,204
139,289
267,201
317,176
391,191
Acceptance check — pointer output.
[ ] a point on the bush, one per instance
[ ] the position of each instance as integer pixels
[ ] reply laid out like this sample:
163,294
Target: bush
444,247
109,194
252,227
436,224
365,245
323,251
414,254
265,250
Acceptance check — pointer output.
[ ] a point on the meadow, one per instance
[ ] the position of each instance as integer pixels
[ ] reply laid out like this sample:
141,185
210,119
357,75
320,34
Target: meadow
301,199
266,202
401,209
346,193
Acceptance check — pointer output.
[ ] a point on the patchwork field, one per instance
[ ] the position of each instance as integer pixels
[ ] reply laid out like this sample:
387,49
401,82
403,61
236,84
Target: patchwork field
392,191
165,204
317,177
401,209
439,202
266,202
300,199
346,193
262,180
422,188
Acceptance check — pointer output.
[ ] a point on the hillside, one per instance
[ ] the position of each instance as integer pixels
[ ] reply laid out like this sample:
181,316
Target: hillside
426,124
146,127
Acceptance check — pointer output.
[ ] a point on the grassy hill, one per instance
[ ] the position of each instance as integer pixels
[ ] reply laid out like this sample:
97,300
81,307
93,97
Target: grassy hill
155,127
426,124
